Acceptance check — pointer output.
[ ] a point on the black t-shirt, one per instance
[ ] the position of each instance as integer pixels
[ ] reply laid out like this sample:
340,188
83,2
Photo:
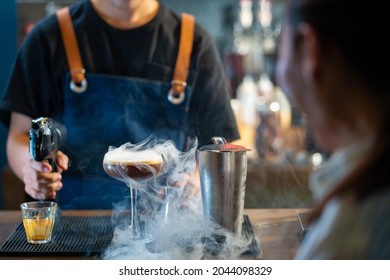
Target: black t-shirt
36,85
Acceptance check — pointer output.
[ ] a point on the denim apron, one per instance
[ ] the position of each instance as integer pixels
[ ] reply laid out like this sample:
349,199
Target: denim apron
102,111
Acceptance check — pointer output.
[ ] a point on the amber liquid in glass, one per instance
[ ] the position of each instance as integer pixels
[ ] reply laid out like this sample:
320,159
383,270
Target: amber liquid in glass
38,230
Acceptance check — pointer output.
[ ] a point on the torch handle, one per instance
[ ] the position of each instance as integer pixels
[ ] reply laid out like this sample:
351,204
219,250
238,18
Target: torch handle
53,163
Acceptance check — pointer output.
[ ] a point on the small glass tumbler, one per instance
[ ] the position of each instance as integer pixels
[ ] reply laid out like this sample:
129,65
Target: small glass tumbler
38,220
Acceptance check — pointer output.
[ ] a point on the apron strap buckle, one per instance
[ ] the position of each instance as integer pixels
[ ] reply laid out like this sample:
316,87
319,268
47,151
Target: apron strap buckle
78,83
176,94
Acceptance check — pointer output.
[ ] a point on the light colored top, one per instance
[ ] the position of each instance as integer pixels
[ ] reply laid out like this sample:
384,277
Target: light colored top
347,229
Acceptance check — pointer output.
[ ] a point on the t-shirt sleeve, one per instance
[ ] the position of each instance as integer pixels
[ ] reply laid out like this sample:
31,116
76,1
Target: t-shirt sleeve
32,88
211,97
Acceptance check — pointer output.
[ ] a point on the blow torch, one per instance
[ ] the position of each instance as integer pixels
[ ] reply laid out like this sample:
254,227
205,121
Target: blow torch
46,137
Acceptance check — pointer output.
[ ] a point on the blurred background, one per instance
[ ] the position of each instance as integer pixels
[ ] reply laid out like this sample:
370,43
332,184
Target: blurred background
246,32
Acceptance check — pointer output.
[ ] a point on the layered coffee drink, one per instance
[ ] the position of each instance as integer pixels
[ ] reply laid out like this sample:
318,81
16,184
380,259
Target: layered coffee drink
123,164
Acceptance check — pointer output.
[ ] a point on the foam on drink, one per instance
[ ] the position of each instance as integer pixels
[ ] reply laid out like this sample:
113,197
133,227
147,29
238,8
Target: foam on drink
141,164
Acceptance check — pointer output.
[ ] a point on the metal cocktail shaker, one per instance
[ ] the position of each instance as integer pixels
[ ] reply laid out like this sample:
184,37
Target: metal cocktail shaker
223,170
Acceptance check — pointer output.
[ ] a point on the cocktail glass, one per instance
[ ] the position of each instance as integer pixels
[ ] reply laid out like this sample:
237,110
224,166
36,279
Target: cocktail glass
133,167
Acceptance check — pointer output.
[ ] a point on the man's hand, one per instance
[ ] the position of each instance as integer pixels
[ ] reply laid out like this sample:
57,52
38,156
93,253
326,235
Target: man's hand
40,182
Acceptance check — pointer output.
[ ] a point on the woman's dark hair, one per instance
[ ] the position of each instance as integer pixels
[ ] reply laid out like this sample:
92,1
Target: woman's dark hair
358,30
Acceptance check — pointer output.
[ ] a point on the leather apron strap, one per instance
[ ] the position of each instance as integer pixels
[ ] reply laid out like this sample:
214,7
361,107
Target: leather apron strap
77,71
176,95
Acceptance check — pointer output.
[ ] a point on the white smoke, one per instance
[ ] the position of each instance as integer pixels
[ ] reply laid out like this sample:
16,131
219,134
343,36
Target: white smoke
170,230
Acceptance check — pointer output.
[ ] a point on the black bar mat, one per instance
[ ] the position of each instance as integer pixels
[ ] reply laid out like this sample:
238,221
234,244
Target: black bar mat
72,236
215,244
247,230
86,236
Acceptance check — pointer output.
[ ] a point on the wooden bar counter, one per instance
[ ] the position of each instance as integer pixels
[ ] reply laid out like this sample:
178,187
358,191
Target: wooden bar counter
277,230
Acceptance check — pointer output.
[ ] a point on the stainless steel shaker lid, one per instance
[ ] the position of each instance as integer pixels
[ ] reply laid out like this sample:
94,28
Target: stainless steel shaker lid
221,145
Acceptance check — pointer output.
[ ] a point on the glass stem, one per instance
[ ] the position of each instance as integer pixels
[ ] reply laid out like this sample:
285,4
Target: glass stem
134,223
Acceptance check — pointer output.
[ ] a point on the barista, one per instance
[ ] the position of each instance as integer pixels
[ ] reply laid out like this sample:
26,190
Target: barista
117,91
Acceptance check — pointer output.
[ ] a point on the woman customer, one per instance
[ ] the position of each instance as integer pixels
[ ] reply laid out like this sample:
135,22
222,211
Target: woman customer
333,63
